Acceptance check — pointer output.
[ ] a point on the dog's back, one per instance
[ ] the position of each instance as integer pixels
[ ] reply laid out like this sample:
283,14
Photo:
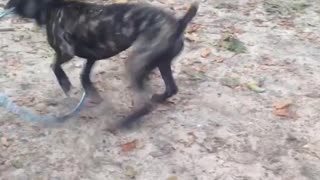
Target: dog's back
92,28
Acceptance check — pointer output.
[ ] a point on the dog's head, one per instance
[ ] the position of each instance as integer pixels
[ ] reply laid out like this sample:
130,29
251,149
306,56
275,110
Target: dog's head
34,9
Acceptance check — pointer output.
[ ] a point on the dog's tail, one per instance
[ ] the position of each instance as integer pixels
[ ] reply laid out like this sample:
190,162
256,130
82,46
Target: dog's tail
184,21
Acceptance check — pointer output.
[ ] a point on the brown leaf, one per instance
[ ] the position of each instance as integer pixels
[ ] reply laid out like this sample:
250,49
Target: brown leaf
127,147
193,28
282,112
281,105
192,139
193,37
282,109
205,52
219,59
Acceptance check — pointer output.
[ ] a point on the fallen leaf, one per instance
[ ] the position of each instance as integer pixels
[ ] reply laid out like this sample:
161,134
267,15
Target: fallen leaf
127,147
205,52
192,139
193,28
255,87
193,37
281,104
219,59
282,109
282,112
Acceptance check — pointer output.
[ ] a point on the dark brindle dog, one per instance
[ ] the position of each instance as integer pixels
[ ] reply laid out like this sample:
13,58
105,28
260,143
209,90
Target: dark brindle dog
97,32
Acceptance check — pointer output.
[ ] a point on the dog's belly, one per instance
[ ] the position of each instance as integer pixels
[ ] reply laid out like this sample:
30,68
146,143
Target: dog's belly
97,53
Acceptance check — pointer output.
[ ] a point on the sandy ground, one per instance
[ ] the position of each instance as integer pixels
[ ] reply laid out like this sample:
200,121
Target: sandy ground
216,128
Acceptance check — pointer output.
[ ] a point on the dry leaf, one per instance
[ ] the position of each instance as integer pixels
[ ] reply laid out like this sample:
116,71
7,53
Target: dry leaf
282,109
255,87
193,37
193,28
219,59
192,139
281,105
205,52
282,112
127,147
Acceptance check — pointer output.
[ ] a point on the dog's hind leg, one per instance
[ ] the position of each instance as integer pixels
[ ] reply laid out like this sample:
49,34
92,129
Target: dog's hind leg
164,64
139,67
151,52
61,76
91,91
171,87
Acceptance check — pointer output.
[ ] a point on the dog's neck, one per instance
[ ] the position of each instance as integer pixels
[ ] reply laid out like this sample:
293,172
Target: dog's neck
38,12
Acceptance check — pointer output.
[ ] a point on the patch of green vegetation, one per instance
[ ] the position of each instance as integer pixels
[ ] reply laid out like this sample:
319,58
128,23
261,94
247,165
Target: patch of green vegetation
232,44
285,8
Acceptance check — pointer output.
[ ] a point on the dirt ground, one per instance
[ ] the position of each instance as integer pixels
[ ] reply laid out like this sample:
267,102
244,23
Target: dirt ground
218,127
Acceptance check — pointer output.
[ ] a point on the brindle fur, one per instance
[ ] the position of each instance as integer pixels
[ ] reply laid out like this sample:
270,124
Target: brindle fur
95,32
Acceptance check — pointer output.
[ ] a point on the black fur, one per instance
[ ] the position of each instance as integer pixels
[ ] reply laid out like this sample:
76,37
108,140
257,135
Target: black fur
97,32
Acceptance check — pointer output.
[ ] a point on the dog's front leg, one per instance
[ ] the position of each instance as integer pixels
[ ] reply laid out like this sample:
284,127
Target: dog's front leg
91,91
171,87
61,76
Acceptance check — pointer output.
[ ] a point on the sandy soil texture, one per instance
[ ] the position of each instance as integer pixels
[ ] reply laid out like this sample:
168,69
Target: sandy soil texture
248,106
